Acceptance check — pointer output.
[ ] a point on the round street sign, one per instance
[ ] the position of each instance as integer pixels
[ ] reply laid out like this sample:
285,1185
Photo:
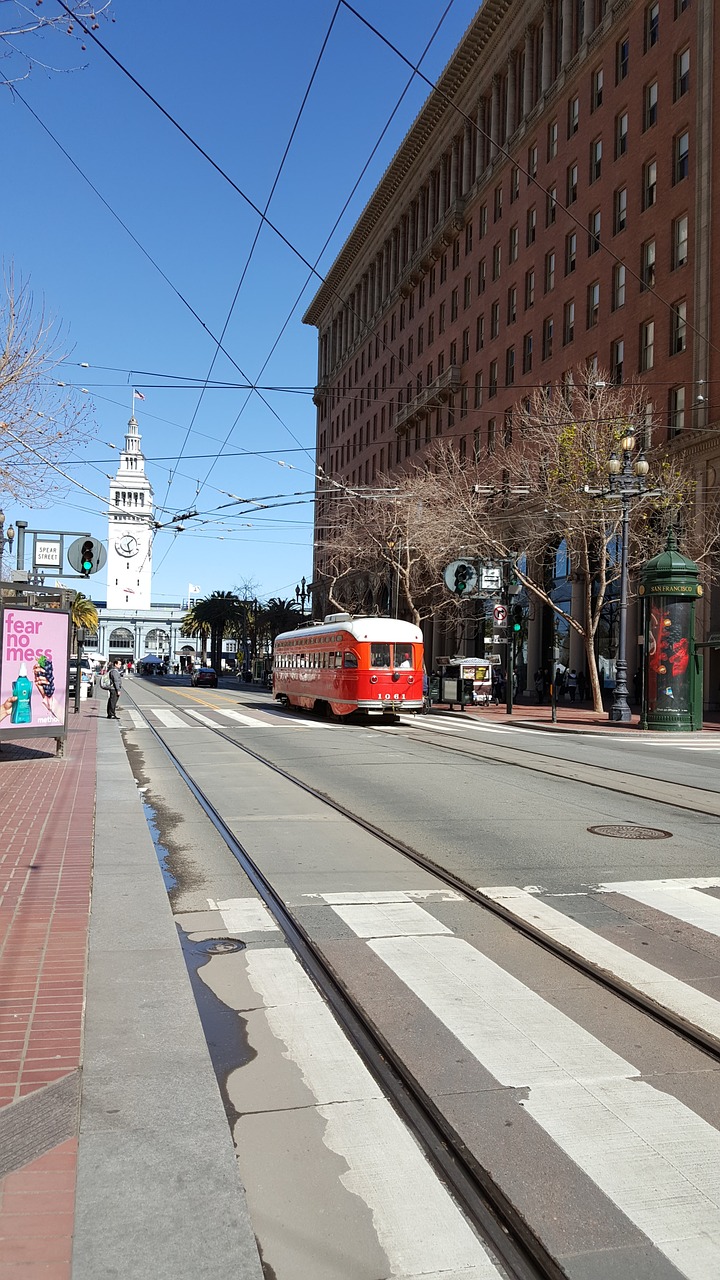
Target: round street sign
500,613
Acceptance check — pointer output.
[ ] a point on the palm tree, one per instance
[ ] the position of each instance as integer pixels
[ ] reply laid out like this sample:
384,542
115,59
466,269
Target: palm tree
218,612
83,616
193,624
279,615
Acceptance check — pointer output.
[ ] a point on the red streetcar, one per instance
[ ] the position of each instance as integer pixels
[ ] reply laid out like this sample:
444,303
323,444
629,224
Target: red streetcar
351,664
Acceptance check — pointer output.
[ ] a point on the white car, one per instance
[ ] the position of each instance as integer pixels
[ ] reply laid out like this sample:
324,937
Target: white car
87,678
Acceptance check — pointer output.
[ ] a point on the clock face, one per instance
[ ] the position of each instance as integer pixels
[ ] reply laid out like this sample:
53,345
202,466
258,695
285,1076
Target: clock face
127,546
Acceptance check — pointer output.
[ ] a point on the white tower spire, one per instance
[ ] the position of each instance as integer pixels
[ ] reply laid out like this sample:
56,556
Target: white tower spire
130,524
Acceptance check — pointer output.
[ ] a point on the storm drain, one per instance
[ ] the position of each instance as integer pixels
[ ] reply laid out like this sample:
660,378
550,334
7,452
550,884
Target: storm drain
627,831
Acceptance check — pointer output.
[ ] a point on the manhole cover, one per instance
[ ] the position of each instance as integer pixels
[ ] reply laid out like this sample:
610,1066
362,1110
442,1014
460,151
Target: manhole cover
627,831
222,945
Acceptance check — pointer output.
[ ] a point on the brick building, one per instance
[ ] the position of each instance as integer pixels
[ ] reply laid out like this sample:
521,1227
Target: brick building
551,205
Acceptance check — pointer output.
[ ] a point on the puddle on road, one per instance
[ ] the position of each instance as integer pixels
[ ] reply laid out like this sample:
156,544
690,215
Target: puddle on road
163,854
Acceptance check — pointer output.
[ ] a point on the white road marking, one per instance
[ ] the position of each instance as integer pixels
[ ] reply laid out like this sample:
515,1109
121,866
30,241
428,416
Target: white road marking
417,1223
282,717
671,993
663,1172
386,895
682,899
138,721
169,719
245,915
198,715
250,722
389,920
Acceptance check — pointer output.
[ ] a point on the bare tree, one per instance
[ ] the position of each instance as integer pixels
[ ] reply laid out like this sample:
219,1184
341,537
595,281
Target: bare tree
40,418
23,27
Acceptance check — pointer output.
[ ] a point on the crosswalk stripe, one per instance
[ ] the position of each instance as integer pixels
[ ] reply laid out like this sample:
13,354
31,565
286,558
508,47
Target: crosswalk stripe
198,715
664,1174
416,1221
138,721
668,992
170,719
250,722
244,915
684,900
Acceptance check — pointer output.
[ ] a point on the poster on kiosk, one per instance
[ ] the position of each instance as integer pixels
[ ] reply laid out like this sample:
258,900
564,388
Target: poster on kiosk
34,659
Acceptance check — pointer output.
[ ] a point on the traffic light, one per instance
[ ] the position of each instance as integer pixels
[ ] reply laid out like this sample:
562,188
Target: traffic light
517,618
87,558
462,578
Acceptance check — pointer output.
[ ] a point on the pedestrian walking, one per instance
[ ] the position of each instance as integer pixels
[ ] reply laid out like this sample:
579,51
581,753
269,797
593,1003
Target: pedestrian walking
572,683
115,687
539,680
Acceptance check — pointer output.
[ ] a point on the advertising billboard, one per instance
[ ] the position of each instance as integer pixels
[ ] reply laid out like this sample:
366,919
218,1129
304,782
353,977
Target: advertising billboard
34,653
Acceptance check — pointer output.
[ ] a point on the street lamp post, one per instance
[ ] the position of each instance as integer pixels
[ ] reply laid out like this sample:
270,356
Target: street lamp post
6,539
302,593
627,480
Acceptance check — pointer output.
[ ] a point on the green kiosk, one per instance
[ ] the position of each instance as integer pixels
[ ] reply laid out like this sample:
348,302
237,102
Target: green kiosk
673,684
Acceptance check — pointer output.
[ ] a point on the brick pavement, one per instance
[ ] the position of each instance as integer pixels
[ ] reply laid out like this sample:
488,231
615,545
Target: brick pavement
47,808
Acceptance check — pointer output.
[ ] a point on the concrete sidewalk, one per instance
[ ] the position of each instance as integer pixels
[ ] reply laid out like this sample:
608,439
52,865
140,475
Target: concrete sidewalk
115,1153
571,718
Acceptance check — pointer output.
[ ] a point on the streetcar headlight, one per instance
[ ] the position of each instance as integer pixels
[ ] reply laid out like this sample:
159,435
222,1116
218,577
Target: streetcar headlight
373,679
411,679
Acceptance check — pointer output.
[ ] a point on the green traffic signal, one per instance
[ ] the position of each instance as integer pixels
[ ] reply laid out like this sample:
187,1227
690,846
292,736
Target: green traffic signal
517,618
462,577
87,558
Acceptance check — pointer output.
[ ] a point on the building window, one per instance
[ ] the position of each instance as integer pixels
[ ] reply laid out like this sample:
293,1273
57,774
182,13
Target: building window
480,333
456,254
593,232
573,116
478,390
531,225
532,161
552,139
513,243
568,322
431,330
549,271
465,346
468,241
617,359
495,319
482,275
678,328
593,304
514,184
647,345
650,104
680,241
649,189
443,268
496,260
492,379
596,93
680,7
652,25
510,367
463,401
595,159
647,428
527,352
681,156
441,318
682,73
551,206
507,441
482,221
620,210
547,338
621,134
676,410
618,292
572,183
622,60
453,352
497,203
647,264
529,288
570,252
512,304
467,290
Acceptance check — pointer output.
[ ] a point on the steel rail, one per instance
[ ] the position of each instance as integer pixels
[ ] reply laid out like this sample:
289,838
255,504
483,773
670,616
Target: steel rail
670,1021
493,1215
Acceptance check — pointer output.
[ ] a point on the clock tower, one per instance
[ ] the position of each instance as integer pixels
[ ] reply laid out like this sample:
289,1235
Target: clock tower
130,529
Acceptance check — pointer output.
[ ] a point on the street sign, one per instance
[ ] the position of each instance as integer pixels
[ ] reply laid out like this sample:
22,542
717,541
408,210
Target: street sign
500,614
48,553
490,578
86,556
499,639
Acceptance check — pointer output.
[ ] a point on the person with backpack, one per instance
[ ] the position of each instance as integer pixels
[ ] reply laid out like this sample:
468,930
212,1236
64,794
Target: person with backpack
112,681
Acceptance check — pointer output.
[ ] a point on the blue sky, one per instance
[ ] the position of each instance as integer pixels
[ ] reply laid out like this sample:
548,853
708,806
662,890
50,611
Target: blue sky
234,75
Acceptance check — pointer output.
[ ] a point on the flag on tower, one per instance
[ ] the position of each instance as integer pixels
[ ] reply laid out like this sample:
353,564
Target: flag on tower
138,395
193,591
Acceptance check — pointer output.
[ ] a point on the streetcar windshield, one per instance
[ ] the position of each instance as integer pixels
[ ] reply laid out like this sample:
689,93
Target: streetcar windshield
380,655
391,655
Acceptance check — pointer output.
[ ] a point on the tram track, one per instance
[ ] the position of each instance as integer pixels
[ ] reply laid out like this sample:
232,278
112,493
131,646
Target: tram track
670,1020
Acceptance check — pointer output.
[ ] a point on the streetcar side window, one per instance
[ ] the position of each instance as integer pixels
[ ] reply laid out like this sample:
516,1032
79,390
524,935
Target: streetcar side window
350,659
403,655
379,655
